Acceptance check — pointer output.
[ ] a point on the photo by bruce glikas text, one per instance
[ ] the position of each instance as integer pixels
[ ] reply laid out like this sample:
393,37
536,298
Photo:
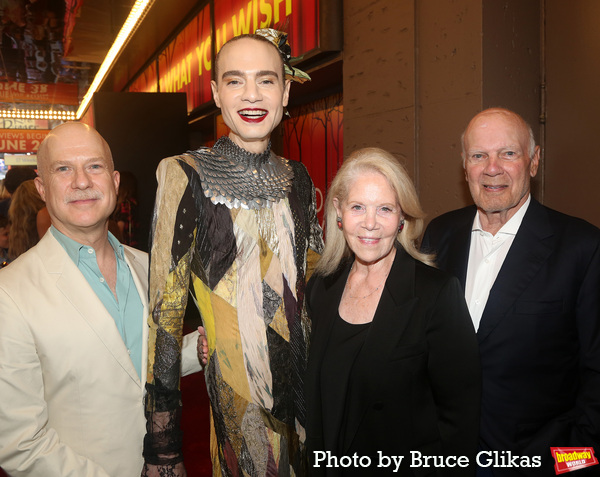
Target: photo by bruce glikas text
415,459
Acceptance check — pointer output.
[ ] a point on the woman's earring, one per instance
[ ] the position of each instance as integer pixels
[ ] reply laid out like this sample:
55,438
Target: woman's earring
339,223
401,226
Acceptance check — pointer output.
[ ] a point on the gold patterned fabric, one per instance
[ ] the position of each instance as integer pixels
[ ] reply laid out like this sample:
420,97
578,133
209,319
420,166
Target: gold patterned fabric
246,269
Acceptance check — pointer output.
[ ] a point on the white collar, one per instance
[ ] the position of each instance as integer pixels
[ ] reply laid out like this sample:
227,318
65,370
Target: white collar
509,228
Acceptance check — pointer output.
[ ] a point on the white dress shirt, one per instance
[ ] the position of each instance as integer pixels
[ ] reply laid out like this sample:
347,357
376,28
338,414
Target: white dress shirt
486,256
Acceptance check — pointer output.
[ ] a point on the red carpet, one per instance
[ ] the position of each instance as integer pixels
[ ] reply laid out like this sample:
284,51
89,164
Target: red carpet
195,425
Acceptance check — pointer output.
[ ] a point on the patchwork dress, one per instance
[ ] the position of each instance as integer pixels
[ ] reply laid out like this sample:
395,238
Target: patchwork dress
239,231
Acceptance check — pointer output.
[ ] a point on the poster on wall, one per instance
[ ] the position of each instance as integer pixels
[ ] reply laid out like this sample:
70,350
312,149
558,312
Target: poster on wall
185,65
21,140
14,123
59,93
31,42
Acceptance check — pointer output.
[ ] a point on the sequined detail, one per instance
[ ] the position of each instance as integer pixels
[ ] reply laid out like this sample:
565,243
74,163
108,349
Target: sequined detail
237,178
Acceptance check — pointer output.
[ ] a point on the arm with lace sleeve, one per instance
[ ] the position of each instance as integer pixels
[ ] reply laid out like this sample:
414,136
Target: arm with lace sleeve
173,235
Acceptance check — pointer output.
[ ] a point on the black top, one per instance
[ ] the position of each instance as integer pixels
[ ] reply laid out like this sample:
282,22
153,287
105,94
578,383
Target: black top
345,343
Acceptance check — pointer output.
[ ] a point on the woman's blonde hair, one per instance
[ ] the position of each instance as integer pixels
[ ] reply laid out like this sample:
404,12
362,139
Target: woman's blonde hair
24,206
371,159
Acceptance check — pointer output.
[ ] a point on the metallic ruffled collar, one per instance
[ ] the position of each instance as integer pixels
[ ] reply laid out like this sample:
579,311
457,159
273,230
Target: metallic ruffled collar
237,178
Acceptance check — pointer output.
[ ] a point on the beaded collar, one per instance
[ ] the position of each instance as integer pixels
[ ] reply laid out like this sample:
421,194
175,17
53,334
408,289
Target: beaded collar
237,178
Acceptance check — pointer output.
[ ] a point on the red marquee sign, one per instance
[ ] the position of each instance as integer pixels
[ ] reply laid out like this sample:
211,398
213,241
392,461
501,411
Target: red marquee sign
21,140
299,18
185,65
59,93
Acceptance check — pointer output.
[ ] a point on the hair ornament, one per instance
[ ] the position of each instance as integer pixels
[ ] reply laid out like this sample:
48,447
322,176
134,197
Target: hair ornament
279,39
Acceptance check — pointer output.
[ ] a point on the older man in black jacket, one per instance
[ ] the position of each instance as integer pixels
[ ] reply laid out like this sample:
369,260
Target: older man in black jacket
532,283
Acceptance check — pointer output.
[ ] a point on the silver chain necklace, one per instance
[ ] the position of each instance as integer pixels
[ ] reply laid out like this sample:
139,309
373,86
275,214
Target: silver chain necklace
372,291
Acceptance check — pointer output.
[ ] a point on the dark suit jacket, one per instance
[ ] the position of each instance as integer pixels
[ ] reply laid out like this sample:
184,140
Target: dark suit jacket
418,371
539,335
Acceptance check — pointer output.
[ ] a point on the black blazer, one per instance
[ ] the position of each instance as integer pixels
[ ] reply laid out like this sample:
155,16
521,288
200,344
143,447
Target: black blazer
418,371
539,335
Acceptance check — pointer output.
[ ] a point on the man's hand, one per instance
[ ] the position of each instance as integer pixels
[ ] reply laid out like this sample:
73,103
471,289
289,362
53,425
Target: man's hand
202,346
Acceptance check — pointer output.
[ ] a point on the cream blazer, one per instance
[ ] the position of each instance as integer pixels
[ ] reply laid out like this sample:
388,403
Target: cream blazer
71,402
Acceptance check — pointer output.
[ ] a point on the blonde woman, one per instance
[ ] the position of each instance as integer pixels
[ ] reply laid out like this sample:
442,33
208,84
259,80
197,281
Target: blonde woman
393,364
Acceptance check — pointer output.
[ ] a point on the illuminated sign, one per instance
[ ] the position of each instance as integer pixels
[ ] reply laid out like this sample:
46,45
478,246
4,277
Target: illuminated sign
20,160
21,140
59,93
299,18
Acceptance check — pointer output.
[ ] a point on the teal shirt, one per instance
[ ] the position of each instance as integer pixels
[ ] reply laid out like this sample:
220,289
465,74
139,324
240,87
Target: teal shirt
127,309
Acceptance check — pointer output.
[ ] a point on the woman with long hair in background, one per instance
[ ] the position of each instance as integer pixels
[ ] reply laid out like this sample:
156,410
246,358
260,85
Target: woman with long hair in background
24,207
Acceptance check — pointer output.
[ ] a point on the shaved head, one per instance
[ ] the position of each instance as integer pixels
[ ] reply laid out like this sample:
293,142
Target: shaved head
64,131
519,123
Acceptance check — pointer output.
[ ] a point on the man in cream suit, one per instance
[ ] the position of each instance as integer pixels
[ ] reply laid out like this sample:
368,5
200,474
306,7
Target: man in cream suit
73,339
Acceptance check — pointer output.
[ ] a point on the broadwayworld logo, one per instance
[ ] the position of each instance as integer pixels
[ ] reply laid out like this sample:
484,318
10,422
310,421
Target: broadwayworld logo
568,459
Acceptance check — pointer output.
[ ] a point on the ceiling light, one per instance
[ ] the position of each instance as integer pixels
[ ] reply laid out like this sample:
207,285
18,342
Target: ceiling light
27,114
138,11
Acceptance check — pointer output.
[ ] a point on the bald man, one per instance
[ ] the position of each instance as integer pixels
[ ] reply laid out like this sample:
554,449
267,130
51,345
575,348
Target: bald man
73,344
531,277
